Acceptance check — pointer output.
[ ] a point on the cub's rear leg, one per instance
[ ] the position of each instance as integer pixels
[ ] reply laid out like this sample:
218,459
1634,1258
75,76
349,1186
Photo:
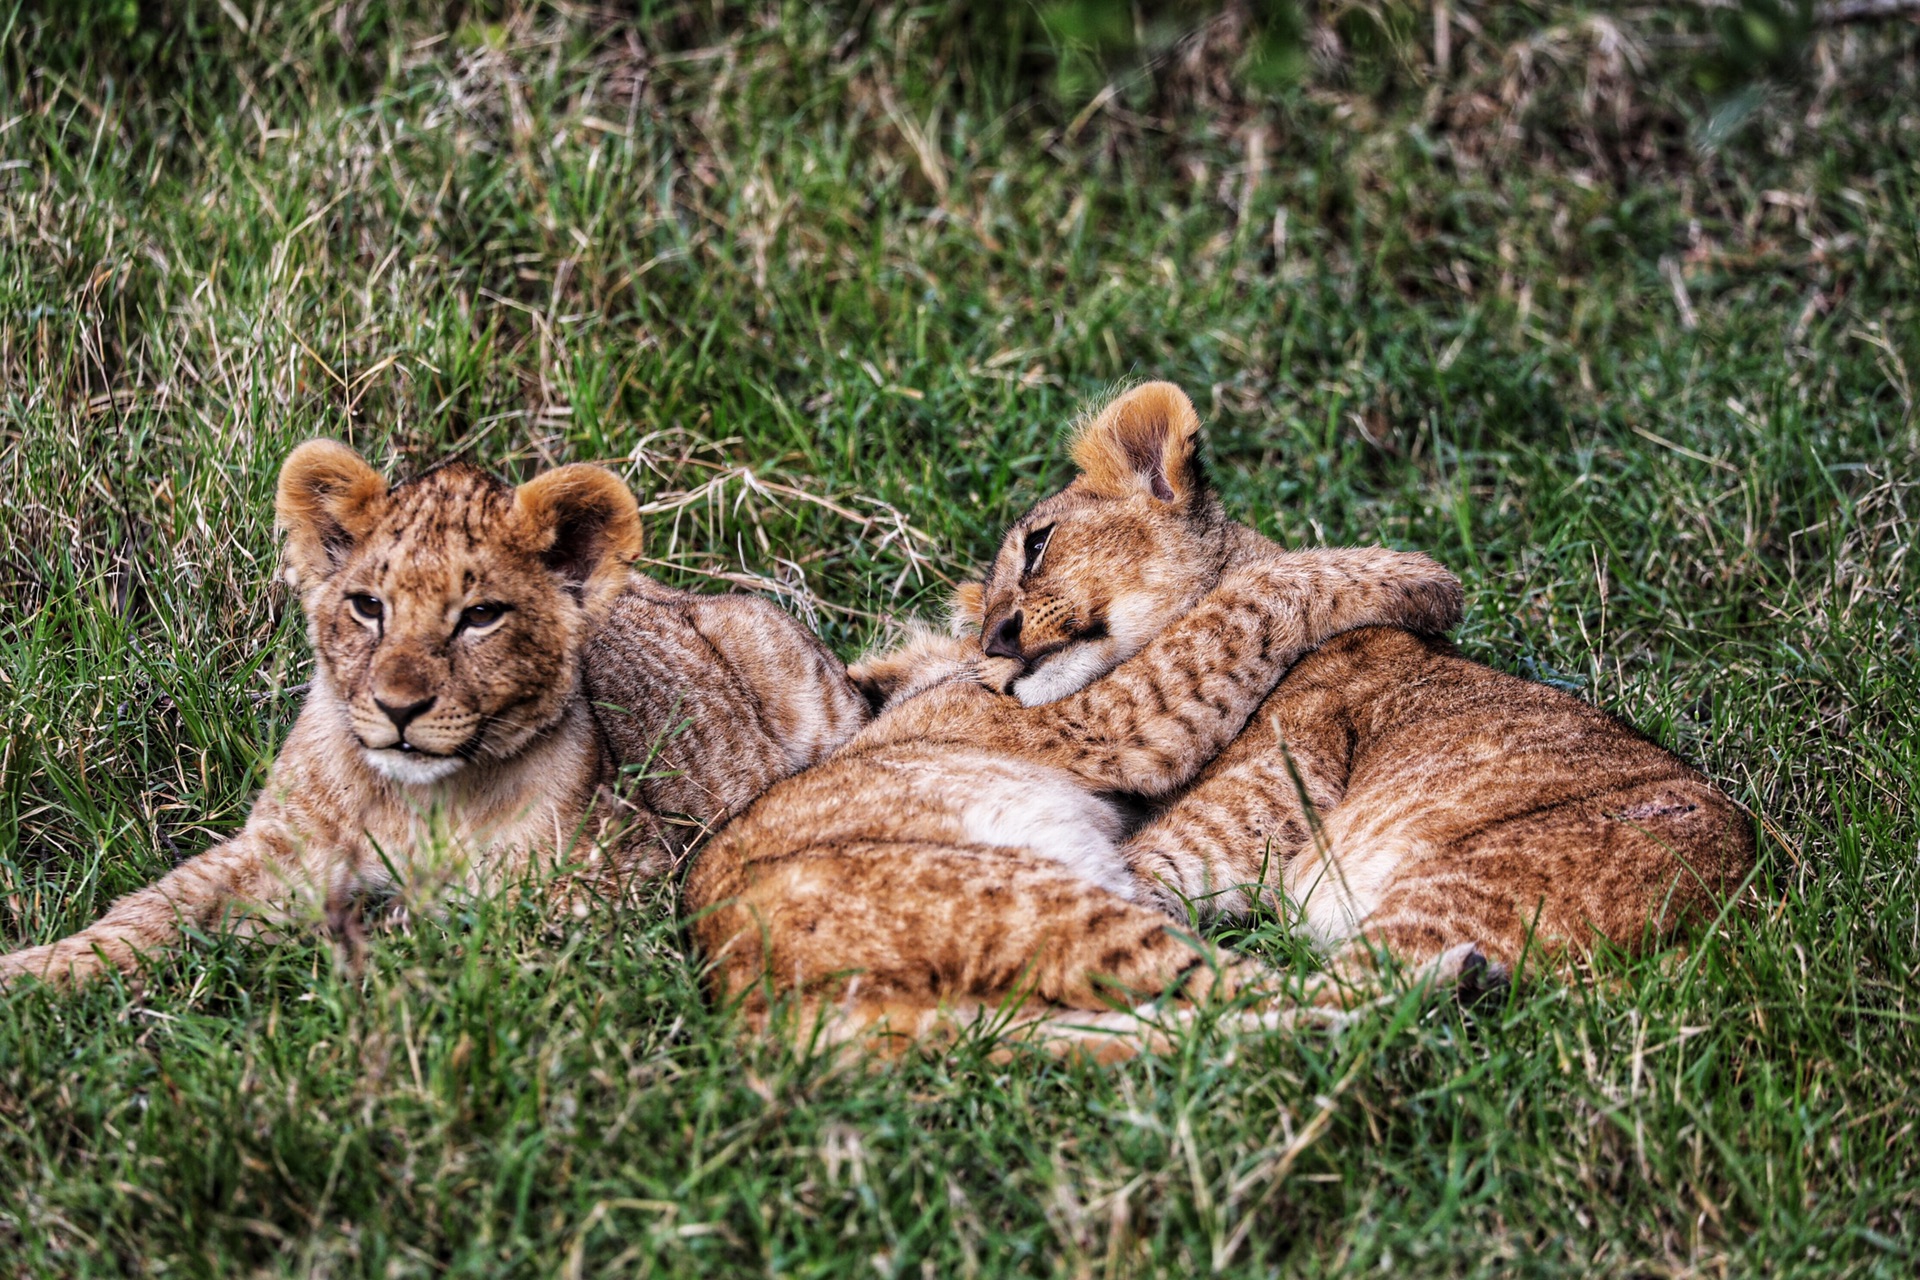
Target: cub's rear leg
880,1029
1640,867
886,942
1222,846
1259,826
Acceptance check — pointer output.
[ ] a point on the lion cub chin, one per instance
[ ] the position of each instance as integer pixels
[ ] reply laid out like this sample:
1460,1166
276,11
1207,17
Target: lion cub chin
485,663
412,768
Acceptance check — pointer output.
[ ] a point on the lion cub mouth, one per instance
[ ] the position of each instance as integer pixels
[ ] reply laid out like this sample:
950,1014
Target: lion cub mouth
410,765
1063,670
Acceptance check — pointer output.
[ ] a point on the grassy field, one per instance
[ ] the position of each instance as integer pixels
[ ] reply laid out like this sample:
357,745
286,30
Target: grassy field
1616,316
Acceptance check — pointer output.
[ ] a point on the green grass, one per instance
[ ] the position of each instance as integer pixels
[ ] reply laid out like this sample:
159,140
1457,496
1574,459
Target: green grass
873,258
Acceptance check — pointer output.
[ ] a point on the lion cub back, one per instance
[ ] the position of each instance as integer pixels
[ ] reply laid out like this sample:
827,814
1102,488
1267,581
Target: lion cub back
706,701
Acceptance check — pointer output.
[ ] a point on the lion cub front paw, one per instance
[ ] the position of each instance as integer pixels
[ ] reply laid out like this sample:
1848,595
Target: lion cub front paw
1471,973
53,966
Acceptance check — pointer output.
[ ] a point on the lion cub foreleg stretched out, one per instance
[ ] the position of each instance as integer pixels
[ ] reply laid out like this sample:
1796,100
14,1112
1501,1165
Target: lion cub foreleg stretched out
458,627
1406,799
961,853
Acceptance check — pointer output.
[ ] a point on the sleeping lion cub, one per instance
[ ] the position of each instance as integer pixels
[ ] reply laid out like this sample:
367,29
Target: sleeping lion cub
484,665
961,855
1404,798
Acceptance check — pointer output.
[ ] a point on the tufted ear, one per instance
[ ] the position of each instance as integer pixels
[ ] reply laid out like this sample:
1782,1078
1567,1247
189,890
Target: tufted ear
324,503
967,609
1145,441
584,525
922,659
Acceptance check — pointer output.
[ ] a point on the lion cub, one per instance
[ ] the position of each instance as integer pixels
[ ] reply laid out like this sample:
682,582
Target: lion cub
484,664
962,853
1403,798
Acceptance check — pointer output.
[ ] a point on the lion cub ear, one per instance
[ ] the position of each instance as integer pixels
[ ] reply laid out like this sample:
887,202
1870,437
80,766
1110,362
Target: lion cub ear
583,524
1146,440
967,609
881,677
878,676
325,503
922,658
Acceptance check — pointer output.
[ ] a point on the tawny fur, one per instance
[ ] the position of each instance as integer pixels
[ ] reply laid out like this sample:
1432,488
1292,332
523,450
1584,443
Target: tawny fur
1404,798
492,684
959,859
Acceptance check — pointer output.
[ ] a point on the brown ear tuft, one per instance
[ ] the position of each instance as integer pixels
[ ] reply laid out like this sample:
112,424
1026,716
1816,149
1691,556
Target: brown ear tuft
922,657
1147,439
323,501
584,525
967,609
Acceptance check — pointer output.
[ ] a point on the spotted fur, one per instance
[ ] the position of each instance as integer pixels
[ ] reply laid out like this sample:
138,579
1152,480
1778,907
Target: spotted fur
960,857
1399,797
492,684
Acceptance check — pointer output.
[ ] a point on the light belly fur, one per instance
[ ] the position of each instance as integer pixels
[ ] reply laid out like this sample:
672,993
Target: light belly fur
1049,813
1337,884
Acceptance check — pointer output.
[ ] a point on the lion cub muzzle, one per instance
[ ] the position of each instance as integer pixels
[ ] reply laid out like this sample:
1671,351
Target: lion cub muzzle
1045,651
410,719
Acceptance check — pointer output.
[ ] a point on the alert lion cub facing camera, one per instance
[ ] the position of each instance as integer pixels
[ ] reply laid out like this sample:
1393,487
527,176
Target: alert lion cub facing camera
485,664
1403,798
961,856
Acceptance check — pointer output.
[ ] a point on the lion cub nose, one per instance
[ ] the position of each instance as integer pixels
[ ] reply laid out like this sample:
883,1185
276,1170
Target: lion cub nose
404,716
1005,640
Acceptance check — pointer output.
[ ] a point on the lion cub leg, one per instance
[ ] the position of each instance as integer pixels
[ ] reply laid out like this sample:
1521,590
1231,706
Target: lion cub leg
962,933
1220,850
151,921
1636,867
1150,725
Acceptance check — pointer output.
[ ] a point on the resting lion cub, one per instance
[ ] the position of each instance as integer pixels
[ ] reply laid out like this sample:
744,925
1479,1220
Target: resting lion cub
1448,808
484,664
961,854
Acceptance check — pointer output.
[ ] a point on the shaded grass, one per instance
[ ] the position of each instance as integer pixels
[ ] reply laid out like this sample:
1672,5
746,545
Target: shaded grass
881,270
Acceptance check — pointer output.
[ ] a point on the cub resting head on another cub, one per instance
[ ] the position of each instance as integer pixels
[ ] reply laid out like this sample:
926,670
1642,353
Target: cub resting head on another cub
1400,798
485,665
960,858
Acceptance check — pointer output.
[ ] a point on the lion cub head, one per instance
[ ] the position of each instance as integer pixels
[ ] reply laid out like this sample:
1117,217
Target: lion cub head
1089,575
449,613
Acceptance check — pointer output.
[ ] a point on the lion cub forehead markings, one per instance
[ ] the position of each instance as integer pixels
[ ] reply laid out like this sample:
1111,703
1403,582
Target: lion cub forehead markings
1052,507
450,508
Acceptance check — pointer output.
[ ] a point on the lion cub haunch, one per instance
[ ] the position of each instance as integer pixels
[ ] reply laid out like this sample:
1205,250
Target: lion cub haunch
458,625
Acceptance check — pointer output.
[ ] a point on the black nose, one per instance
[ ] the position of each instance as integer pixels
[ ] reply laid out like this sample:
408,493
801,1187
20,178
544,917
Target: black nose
404,716
1005,640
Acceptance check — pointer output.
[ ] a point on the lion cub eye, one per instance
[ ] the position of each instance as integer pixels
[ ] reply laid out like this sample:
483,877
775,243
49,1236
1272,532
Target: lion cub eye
366,608
1036,548
478,617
